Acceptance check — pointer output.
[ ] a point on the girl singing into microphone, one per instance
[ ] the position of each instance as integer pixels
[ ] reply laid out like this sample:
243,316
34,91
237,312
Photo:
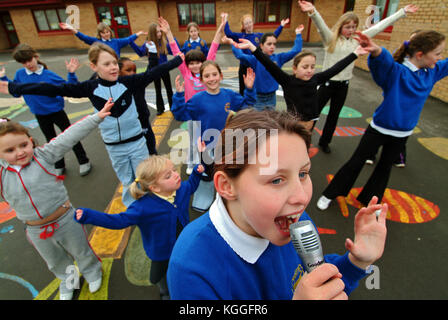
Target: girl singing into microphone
241,248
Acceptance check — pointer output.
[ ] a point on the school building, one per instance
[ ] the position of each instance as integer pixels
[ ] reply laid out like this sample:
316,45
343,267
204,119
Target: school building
36,21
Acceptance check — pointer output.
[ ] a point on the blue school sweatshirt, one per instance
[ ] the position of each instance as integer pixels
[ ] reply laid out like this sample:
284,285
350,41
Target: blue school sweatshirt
404,91
264,82
114,43
253,37
204,267
156,218
42,105
199,44
210,109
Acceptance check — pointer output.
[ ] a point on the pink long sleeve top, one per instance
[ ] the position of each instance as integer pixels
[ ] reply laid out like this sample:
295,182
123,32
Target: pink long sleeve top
192,83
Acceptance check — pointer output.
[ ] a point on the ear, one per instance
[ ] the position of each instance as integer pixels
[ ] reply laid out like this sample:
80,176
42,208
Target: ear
224,186
154,188
93,67
418,54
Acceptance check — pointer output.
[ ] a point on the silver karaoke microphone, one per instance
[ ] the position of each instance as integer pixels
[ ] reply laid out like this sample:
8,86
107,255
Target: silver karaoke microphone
306,241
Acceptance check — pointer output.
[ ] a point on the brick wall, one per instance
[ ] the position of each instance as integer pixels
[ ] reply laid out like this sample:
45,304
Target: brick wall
432,14
27,30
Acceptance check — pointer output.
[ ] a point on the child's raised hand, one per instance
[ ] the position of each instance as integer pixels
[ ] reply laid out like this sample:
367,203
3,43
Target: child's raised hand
370,235
72,65
284,22
245,44
140,33
323,283
79,213
164,25
249,78
201,145
2,72
200,168
224,17
103,113
366,42
411,8
179,84
227,40
66,26
306,6
299,29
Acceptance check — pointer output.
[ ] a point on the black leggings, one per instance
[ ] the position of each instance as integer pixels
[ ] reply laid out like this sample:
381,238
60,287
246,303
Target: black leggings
337,92
345,178
60,118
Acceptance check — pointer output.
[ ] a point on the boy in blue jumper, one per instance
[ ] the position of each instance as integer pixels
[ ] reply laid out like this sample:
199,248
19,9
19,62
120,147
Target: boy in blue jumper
406,82
241,249
265,84
160,211
49,111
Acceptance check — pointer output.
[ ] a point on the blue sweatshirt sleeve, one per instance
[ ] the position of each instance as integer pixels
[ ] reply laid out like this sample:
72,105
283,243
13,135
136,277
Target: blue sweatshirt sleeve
87,39
441,70
286,56
246,59
141,51
123,42
351,274
235,36
193,180
110,221
382,68
278,31
179,107
239,102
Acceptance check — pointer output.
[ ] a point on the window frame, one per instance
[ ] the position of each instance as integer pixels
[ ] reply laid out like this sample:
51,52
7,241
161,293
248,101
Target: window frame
270,24
49,32
389,29
189,3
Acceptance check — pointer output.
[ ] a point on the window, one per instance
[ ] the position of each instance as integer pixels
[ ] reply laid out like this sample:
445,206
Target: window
387,8
48,19
266,11
203,13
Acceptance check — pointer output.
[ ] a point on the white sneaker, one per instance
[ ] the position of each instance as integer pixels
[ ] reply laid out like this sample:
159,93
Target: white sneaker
323,203
84,169
95,285
66,296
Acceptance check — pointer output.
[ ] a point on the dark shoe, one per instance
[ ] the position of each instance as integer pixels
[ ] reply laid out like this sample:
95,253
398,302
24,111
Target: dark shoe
325,148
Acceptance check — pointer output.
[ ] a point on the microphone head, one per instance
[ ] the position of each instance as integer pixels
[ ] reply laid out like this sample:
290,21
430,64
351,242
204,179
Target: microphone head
307,243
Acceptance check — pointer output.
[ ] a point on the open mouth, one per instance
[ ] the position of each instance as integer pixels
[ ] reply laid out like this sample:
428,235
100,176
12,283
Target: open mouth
284,222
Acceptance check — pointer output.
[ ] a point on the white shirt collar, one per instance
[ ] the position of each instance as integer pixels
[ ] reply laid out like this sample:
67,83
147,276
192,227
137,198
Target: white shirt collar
105,40
198,40
248,247
410,65
40,69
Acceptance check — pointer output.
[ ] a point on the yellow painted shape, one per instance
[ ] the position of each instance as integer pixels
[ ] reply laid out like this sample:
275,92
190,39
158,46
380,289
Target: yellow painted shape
105,241
102,293
422,202
403,215
159,129
415,209
48,290
437,145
